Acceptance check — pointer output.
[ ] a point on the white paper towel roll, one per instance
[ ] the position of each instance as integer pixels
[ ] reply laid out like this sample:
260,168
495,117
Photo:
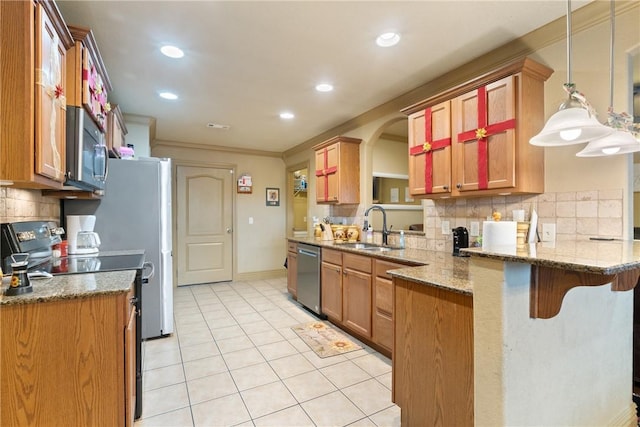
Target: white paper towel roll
499,233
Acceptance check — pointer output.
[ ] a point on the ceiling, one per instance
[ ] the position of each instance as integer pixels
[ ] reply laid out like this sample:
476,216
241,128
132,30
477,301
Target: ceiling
247,61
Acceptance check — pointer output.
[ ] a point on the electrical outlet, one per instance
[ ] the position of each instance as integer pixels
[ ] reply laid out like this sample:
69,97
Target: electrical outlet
250,220
445,227
548,233
475,229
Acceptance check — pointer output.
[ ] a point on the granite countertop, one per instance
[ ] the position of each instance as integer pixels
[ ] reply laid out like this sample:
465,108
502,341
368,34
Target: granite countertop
71,286
590,256
433,268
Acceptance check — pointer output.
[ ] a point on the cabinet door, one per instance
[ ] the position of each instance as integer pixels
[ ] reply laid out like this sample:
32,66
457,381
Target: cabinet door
50,104
292,273
484,137
331,291
430,150
357,301
327,160
130,368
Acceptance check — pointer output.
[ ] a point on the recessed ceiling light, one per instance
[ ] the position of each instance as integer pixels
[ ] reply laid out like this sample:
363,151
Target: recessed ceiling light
168,95
388,39
172,51
287,115
324,87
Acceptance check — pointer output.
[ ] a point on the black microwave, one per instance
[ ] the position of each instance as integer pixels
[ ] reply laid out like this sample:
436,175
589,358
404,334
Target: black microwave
87,154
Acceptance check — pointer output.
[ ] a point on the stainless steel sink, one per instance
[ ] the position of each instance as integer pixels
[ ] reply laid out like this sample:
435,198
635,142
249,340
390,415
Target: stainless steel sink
367,247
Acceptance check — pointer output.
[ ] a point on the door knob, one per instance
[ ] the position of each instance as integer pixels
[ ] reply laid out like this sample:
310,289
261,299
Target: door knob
229,230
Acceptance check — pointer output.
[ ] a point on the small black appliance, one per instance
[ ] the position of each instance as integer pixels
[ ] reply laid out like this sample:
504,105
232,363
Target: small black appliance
460,240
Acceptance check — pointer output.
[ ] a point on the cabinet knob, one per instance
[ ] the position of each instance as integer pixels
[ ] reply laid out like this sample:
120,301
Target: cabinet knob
458,186
445,187
344,272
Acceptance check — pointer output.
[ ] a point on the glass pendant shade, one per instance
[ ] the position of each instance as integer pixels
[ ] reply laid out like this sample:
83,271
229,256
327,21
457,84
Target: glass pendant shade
619,142
570,126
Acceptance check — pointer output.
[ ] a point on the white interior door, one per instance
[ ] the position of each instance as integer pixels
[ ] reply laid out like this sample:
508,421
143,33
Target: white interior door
204,223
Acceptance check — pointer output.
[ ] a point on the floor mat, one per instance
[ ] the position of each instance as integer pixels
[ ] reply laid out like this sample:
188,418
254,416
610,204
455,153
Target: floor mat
324,339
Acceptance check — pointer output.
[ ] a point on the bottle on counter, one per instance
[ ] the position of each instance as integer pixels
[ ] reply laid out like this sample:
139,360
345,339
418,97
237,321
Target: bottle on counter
370,234
401,239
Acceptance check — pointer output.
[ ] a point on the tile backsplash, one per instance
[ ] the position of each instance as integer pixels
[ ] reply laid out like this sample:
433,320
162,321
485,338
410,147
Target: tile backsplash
27,205
576,215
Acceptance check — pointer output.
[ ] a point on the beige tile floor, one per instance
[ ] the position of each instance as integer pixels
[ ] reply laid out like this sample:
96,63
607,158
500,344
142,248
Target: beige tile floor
234,361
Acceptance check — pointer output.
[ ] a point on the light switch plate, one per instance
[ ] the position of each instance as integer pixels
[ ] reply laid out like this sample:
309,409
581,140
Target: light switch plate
475,229
250,220
445,227
548,233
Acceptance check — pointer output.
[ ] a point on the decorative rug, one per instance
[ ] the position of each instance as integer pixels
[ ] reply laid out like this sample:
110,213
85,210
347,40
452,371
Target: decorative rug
324,339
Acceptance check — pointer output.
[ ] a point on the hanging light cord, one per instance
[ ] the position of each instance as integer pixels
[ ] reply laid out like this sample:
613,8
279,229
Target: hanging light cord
612,20
570,87
569,44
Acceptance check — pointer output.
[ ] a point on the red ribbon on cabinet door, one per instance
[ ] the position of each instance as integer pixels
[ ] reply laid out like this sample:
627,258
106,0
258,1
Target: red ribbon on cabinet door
427,148
481,134
325,172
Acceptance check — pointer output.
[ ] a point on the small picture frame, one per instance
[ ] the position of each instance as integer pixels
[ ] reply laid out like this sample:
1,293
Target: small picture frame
273,197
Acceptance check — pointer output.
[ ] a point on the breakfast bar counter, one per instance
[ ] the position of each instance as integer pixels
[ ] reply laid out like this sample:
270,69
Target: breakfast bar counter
545,339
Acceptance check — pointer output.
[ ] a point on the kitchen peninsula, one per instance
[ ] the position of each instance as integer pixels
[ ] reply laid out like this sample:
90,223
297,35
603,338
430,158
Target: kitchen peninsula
545,339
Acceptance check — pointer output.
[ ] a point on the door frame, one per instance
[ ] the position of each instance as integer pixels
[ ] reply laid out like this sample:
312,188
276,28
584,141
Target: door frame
174,210
290,212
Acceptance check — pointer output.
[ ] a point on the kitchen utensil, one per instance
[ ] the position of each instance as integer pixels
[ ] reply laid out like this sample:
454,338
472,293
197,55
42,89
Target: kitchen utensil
20,283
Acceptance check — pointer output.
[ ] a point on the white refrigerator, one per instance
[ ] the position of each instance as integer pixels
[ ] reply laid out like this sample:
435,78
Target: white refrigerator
135,213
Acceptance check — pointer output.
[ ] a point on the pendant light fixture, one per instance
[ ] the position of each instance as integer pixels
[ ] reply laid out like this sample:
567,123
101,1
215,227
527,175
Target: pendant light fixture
575,121
621,141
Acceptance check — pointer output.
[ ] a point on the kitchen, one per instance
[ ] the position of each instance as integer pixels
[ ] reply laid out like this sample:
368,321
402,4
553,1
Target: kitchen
565,180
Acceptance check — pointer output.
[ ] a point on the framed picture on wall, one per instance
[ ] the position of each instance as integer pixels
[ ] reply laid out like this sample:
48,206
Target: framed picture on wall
273,197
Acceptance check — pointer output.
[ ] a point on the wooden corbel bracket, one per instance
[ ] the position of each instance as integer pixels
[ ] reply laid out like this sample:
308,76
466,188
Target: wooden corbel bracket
549,286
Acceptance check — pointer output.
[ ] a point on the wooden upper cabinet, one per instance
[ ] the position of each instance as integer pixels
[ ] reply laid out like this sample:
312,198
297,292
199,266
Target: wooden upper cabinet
491,120
87,76
116,130
430,150
484,135
337,171
33,94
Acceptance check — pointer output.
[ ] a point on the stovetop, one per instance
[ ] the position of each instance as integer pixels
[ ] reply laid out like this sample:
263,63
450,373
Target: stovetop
89,264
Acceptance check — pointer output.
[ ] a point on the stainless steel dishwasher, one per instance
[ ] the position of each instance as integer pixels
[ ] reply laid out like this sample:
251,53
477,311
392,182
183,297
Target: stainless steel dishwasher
308,278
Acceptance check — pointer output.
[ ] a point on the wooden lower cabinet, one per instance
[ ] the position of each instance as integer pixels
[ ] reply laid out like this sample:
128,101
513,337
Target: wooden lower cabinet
356,293
64,362
292,269
433,355
331,284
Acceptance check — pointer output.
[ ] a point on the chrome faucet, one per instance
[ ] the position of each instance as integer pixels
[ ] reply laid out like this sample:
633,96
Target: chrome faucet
385,232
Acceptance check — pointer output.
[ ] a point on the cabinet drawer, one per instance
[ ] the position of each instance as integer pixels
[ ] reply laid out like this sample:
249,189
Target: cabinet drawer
292,247
357,262
331,256
383,266
384,296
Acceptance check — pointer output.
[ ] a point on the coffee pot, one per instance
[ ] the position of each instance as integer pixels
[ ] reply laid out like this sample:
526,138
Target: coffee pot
80,235
460,240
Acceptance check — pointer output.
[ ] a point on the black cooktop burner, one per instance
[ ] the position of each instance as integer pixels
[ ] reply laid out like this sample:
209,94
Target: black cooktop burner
90,264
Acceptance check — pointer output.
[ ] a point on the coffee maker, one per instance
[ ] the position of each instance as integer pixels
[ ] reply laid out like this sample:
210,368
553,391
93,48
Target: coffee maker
81,238
460,240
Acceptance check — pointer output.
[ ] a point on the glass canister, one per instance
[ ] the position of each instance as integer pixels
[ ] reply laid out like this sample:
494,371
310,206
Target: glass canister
20,283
